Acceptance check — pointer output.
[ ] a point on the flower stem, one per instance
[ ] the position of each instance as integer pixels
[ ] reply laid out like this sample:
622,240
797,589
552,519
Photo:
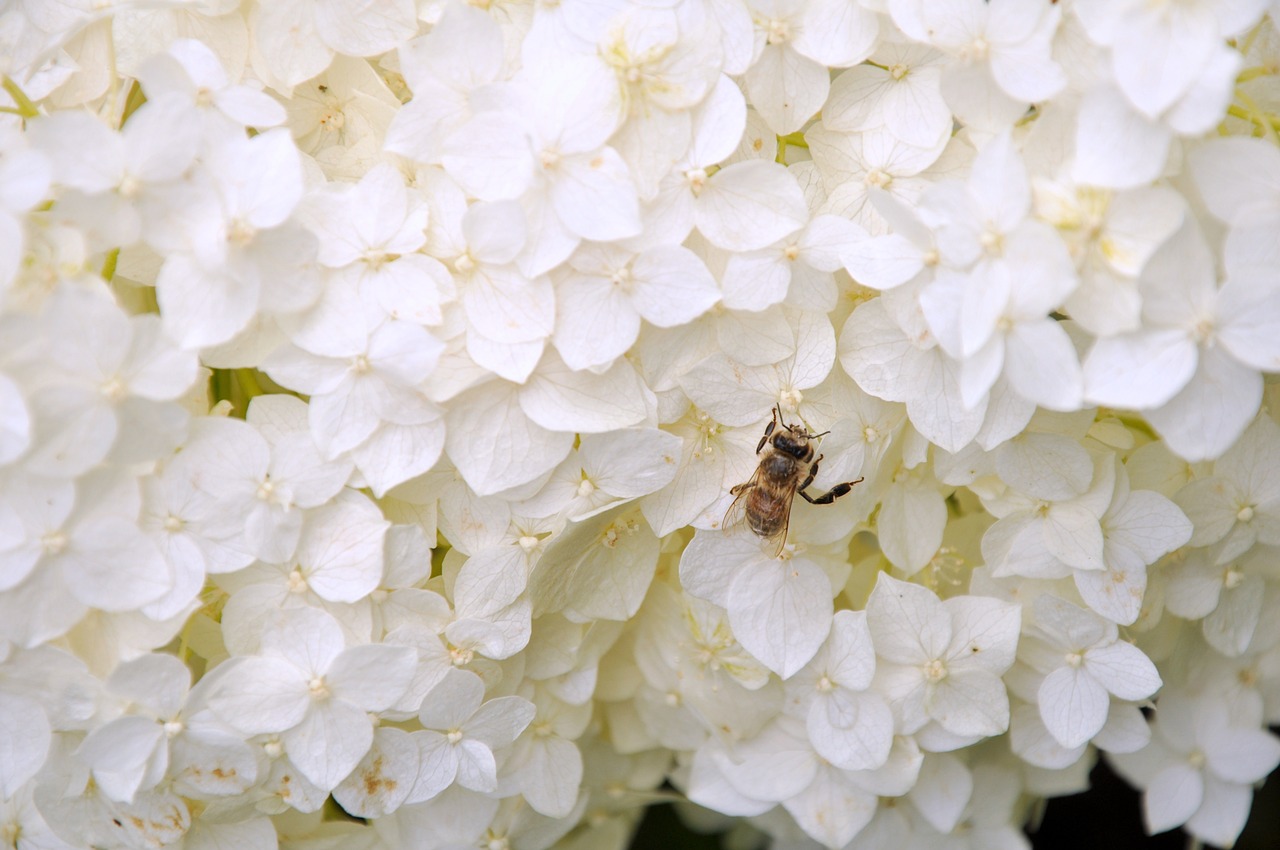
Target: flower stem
25,107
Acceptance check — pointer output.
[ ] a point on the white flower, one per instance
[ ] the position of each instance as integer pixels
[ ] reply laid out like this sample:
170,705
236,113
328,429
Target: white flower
442,68
1158,54
296,41
314,691
794,44
338,561
545,764
848,724
1239,504
83,539
607,291
190,68
941,661
890,364
105,391
663,62
1240,182
598,568
1051,520
254,486
853,165
370,233
339,118
1083,662
607,469
1199,767
1001,51
239,252
799,266
1138,527
899,89
1111,236
779,608
1193,365
461,732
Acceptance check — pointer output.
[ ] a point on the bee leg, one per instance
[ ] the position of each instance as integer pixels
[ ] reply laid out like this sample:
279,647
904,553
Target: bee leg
831,495
768,431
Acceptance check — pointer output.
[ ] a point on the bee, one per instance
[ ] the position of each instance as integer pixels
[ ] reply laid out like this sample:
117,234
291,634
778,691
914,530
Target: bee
787,466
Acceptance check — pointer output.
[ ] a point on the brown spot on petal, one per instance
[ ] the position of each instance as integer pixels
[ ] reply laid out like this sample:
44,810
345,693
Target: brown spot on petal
373,780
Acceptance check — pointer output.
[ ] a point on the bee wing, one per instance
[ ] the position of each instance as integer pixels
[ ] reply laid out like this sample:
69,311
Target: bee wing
738,510
780,539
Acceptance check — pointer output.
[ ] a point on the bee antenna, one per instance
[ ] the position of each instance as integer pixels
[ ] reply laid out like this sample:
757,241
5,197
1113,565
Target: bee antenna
781,421
816,436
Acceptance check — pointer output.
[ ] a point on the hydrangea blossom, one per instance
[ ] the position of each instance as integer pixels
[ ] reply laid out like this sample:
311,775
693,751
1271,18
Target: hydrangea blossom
375,378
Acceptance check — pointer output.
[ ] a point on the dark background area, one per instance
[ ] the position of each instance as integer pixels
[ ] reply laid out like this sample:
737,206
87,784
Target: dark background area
1108,815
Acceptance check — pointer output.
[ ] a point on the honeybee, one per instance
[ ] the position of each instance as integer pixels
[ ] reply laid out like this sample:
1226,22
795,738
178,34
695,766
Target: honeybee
787,466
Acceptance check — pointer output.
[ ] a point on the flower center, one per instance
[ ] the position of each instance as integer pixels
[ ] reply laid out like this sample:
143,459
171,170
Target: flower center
1074,659
898,71
130,187
454,736
975,50
265,490
54,543
710,430
935,671
1232,578
173,728
777,32
376,258
318,687
332,120
790,399
877,177
697,178
297,581
241,232
1245,513
586,488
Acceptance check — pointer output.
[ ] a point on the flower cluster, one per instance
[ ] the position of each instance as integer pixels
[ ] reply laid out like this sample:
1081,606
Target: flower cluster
374,375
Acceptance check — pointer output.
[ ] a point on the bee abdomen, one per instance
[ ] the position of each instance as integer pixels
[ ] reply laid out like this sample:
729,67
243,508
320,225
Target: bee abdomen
766,514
